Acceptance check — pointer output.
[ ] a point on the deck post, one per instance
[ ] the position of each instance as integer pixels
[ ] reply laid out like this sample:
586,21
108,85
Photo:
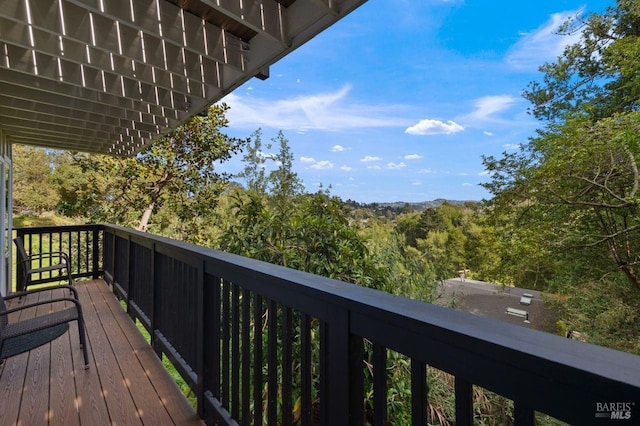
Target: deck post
342,378
201,343
96,253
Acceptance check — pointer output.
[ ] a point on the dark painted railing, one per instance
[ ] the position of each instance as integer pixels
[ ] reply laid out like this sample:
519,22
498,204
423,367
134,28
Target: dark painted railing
82,243
259,343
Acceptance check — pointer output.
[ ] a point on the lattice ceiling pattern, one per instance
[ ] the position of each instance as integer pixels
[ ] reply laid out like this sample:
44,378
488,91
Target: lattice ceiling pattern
110,75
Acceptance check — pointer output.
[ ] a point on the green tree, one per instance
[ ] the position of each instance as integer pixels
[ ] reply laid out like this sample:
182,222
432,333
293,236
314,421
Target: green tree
597,76
254,161
71,184
577,188
178,171
33,189
284,183
574,186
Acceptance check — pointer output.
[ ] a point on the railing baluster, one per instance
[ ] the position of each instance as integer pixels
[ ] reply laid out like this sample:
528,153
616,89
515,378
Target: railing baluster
523,415
210,316
272,362
418,393
324,386
74,242
287,365
87,248
464,402
306,379
235,351
218,321
50,247
246,357
379,385
70,249
224,385
258,362
40,247
95,253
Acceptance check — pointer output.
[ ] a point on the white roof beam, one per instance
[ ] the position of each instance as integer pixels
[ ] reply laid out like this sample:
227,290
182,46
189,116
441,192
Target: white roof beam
266,17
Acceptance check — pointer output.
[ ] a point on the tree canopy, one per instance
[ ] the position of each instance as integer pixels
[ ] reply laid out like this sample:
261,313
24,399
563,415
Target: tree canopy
598,76
178,170
574,187
33,170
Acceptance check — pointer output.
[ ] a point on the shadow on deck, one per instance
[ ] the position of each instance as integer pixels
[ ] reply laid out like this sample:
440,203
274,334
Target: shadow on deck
125,384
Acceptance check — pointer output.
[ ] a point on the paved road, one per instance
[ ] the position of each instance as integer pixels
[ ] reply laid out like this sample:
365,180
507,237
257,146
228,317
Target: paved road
473,286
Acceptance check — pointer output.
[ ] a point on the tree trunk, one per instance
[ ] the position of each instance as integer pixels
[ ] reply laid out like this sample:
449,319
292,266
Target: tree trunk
155,196
632,276
144,221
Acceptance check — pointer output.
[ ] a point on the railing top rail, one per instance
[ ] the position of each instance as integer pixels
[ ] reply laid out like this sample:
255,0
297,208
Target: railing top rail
55,229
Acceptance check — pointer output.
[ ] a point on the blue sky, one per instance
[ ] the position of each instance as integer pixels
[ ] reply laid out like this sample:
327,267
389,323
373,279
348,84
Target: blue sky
399,100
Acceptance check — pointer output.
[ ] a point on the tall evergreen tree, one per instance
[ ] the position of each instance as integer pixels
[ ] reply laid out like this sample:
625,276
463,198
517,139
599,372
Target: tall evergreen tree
33,189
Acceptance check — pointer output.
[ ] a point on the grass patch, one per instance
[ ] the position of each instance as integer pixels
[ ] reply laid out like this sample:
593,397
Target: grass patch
44,219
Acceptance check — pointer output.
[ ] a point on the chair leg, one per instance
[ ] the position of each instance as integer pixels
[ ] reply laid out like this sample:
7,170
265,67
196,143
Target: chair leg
83,340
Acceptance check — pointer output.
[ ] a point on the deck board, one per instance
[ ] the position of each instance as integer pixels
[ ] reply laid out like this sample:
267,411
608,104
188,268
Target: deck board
125,384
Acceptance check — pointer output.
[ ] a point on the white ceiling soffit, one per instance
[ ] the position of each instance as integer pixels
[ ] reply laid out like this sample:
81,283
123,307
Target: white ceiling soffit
108,76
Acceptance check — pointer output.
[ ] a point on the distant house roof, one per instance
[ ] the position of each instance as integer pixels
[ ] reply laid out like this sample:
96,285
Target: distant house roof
518,306
109,76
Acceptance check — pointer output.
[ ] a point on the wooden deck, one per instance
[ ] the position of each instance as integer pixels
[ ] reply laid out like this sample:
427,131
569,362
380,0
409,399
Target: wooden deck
125,384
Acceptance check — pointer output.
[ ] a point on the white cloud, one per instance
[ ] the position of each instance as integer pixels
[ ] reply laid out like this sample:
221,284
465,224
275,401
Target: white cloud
484,173
332,111
346,168
543,44
413,157
376,167
369,159
468,184
416,183
487,106
307,159
511,146
425,171
396,166
488,133
337,148
322,165
434,127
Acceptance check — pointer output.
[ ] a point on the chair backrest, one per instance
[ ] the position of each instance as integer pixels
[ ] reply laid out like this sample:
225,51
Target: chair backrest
4,319
22,253
24,264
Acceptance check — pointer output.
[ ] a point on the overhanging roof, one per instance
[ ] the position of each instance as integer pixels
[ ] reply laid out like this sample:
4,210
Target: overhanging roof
108,76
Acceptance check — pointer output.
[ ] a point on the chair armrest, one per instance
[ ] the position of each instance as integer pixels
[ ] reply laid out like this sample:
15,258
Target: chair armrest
39,290
50,268
49,255
42,302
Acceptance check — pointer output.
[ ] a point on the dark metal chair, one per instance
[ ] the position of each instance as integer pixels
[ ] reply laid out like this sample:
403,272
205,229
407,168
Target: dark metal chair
22,336
41,263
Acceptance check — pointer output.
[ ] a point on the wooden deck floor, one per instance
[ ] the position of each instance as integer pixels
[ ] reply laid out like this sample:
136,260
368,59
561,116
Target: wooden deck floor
126,384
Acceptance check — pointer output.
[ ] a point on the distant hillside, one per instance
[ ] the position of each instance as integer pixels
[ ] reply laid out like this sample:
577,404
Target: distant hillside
421,206
401,206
